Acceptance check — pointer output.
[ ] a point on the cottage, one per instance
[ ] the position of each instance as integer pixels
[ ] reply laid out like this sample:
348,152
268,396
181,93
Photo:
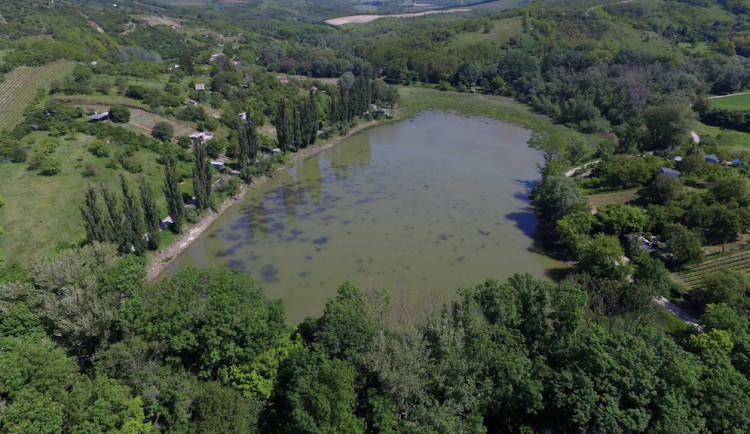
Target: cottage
242,116
164,224
99,117
218,165
200,86
711,158
670,172
201,137
677,159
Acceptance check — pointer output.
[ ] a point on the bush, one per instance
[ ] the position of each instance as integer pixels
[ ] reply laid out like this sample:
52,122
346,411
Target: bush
99,148
50,167
119,114
133,164
90,170
162,131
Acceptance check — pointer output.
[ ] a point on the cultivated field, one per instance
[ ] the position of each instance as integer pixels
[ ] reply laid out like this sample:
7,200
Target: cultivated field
20,87
693,275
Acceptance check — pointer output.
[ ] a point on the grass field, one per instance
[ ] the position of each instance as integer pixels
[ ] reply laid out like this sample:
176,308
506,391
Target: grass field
733,140
622,197
20,87
552,136
734,102
42,212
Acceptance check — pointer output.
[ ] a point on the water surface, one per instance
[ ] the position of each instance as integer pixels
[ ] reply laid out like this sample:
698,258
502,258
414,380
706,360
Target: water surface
426,205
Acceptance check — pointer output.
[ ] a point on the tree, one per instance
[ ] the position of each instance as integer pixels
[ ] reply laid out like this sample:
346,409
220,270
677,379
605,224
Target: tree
283,126
618,219
104,405
218,409
119,114
92,216
662,189
247,144
201,177
134,229
684,244
315,394
668,125
604,257
557,196
175,205
727,287
162,131
114,223
150,214
206,320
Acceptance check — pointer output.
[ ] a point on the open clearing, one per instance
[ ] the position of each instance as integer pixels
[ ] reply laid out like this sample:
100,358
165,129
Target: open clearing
153,20
41,212
20,87
367,18
143,120
732,102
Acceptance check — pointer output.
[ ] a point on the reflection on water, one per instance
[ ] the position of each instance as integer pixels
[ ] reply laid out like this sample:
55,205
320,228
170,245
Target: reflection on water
418,207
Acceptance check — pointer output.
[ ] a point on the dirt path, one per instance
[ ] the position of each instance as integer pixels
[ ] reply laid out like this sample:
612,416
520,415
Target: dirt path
727,96
367,18
166,256
679,313
570,172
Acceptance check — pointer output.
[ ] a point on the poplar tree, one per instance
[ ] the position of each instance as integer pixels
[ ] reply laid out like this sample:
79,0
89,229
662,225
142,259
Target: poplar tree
92,216
201,177
175,205
133,229
248,144
150,214
312,119
113,223
282,125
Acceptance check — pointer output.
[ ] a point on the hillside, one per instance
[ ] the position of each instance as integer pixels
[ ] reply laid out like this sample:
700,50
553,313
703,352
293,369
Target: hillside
639,186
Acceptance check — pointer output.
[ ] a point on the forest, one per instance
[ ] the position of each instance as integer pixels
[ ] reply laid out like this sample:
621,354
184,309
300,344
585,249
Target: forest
643,193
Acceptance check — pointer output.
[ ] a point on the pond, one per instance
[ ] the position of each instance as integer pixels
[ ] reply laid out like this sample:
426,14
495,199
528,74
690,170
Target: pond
422,206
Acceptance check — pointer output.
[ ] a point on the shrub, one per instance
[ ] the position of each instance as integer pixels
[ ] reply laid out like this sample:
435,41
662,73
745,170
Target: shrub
99,148
50,167
162,131
119,114
133,164
90,170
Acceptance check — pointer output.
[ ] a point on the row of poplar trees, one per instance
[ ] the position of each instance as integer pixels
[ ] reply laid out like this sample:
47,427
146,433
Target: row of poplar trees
132,222
353,99
297,127
124,220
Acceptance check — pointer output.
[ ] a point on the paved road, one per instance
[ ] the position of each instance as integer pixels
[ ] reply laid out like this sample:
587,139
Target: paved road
679,313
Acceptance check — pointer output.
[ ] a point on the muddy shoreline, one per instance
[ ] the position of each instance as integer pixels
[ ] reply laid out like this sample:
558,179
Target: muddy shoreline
166,256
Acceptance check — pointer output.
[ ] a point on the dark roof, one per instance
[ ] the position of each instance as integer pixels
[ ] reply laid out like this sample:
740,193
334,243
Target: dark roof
670,172
711,158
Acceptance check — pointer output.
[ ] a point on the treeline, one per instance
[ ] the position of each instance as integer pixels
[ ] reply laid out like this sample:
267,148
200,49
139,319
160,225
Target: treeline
206,351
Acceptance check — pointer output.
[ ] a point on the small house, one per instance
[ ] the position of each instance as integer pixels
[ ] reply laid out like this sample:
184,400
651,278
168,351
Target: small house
711,158
201,137
276,150
242,116
218,165
677,159
200,86
99,117
164,224
670,172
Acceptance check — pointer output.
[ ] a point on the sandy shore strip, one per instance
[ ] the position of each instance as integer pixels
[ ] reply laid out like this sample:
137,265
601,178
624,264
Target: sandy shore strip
166,256
367,18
